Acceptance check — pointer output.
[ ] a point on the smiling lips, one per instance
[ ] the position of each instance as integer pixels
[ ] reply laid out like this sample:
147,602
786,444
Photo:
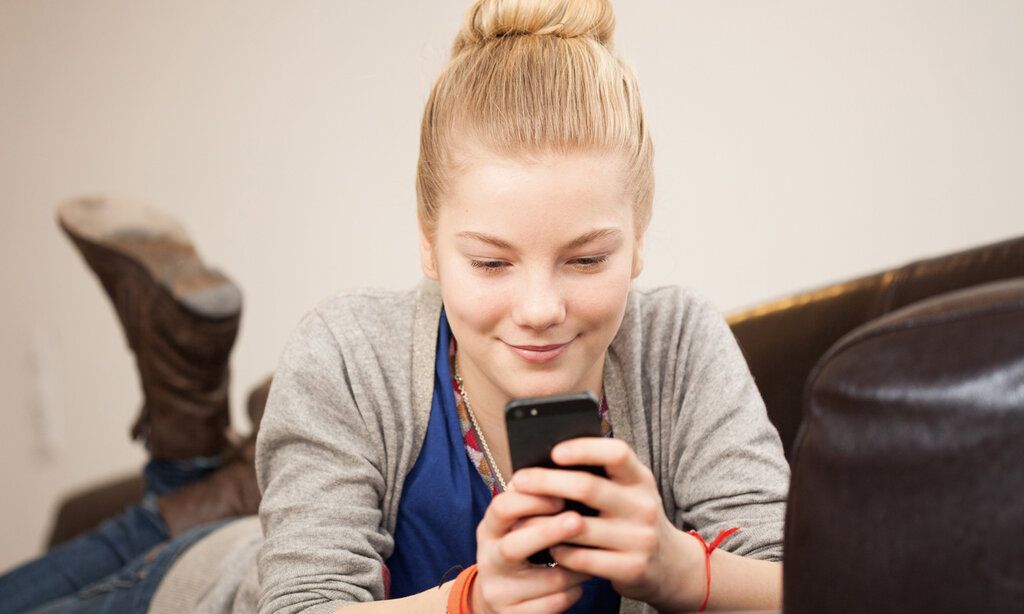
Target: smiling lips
539,353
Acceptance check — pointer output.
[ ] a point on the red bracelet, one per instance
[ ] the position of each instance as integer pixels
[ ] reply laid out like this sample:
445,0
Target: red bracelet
462,588
707,558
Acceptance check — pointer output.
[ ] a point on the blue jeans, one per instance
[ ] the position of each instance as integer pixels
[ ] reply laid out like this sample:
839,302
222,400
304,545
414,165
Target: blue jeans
116,567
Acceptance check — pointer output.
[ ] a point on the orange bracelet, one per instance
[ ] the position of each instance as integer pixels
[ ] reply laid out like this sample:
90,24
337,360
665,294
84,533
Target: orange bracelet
462,588
707,558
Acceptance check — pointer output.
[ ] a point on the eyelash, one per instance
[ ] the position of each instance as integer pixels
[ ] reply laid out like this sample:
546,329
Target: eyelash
492,267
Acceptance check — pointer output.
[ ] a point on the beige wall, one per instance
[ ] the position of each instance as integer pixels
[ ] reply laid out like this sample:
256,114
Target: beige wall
798,142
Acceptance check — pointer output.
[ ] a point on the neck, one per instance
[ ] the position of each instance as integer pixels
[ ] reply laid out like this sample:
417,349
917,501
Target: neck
487,402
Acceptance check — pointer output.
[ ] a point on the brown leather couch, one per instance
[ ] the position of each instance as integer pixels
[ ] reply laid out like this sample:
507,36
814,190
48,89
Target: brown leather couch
907,491
782,340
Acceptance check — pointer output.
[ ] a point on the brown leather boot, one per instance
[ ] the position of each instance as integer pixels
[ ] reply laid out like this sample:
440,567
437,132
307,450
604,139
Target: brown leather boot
228,491
257,401
180,319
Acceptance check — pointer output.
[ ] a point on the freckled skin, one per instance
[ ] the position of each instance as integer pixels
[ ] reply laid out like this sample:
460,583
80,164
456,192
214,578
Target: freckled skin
536,291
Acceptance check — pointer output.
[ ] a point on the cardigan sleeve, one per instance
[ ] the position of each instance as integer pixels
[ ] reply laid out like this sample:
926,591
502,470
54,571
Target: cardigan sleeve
320,469
730,470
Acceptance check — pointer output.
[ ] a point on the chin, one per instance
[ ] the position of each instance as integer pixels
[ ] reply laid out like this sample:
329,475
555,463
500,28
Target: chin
542,385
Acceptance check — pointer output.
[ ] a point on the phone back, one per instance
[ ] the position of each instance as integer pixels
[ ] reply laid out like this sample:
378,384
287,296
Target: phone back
535,426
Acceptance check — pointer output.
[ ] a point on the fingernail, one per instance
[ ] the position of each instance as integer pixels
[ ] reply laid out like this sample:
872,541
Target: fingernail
570,522
520,479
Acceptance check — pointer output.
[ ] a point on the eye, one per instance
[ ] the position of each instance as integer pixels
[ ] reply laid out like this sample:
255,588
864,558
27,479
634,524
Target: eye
489,266
589,262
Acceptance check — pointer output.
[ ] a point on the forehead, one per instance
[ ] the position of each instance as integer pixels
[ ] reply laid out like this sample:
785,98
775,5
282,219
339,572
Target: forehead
537,189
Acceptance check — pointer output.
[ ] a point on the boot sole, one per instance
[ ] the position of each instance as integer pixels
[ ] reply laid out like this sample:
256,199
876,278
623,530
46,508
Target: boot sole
159,245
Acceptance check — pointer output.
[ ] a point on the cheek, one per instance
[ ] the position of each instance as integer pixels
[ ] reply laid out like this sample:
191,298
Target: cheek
600,298
473,308
599,311
602,315
456,281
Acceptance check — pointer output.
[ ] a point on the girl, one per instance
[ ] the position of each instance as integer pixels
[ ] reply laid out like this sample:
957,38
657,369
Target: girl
383,457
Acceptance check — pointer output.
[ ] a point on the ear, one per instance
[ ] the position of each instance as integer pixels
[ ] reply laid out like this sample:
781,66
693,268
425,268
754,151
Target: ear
638,256
427,260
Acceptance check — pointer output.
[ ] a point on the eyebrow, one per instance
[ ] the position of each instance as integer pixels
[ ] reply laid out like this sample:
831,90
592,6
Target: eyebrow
579,241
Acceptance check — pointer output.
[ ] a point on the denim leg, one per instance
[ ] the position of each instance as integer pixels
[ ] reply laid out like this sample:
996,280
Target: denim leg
131,589
71,566
85,559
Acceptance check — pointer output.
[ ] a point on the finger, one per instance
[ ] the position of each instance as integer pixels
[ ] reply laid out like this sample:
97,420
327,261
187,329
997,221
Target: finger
615,455
532,583
527,522
550,604
599,493
516,546
617,567
507,508
616,534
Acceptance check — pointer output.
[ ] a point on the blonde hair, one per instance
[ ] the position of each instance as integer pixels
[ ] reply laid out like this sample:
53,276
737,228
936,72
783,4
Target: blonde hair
528,76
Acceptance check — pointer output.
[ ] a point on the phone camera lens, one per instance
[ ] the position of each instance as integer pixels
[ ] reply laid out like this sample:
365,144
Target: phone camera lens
519,413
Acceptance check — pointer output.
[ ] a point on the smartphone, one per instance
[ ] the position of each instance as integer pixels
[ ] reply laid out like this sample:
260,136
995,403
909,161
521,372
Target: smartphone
536,425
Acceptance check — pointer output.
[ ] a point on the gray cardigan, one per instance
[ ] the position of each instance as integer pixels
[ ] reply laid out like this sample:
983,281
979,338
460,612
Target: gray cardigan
348,412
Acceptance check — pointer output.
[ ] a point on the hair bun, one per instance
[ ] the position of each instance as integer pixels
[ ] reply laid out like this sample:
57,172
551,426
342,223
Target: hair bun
492,19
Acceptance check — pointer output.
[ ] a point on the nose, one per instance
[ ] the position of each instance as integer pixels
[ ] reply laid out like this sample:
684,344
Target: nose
539,303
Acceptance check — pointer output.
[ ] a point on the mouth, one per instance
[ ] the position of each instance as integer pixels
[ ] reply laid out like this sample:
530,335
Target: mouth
539,354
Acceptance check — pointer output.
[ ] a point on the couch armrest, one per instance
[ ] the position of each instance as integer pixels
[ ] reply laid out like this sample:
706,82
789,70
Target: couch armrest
783,339
907,490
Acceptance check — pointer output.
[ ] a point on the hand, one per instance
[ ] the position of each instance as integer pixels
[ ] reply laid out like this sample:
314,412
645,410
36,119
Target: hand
506,581
631,543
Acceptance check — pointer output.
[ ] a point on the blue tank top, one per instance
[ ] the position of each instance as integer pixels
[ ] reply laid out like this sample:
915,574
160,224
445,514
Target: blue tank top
443,500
